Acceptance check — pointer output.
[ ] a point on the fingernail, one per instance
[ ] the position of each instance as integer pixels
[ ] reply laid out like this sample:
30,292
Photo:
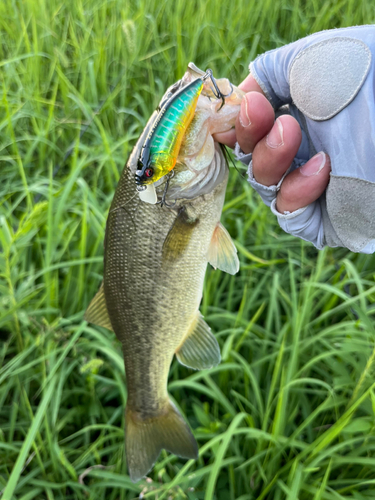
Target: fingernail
314,166
275,138
244,114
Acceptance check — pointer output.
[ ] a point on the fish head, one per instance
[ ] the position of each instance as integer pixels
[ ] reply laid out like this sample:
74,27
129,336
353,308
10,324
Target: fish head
200,165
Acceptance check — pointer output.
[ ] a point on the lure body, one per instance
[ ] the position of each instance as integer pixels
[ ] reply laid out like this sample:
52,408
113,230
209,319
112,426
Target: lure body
160,151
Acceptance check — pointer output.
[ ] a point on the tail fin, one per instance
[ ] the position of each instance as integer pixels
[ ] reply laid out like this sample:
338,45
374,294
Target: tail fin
146,438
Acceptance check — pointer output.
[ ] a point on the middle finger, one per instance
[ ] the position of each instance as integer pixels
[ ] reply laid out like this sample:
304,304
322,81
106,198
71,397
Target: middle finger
274,154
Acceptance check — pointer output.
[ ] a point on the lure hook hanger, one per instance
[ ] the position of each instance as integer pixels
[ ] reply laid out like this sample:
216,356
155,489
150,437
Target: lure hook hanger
216,91
163,201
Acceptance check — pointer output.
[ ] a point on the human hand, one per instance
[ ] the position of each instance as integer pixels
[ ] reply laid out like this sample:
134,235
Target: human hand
274,145
323,80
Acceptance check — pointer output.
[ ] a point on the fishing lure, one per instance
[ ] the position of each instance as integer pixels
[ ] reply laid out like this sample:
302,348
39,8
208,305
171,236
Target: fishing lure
160,150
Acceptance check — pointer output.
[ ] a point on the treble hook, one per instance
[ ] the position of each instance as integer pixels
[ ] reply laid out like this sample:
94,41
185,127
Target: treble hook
163,201
216,91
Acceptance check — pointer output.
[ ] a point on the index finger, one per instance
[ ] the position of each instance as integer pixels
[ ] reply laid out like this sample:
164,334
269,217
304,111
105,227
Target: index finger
250,85
229,138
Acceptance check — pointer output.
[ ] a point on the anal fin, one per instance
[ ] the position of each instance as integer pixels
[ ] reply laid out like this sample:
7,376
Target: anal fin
200,348
222,253
97,312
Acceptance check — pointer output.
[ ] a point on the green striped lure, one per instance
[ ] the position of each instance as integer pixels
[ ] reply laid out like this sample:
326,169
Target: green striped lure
161,148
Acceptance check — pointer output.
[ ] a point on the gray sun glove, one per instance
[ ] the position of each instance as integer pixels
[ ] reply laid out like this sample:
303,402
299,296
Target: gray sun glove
327,80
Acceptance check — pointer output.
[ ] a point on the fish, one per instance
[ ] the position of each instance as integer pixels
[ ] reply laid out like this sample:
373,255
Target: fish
155,259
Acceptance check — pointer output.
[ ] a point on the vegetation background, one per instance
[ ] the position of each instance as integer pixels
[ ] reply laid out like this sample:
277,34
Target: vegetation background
290,412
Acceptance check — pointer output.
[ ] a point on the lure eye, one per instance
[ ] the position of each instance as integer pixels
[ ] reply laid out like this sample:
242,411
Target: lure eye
149,172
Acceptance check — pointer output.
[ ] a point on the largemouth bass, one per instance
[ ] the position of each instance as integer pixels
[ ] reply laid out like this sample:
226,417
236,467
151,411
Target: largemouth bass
154,266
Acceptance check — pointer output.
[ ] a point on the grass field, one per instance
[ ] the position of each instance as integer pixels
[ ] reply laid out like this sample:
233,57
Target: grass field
290,411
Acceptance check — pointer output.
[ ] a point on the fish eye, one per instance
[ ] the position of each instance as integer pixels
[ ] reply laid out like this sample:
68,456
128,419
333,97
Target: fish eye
149,172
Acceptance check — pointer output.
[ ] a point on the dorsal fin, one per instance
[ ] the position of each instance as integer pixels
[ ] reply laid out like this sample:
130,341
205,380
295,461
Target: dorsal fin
97,312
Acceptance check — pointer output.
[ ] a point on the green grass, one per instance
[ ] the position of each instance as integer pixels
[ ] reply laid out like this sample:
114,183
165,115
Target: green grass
290,411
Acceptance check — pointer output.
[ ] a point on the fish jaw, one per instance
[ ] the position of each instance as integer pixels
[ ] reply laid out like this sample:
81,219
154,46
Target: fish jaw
195,168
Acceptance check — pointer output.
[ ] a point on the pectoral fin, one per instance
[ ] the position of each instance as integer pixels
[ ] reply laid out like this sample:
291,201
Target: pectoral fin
200,348
179,236
97,311
222,253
